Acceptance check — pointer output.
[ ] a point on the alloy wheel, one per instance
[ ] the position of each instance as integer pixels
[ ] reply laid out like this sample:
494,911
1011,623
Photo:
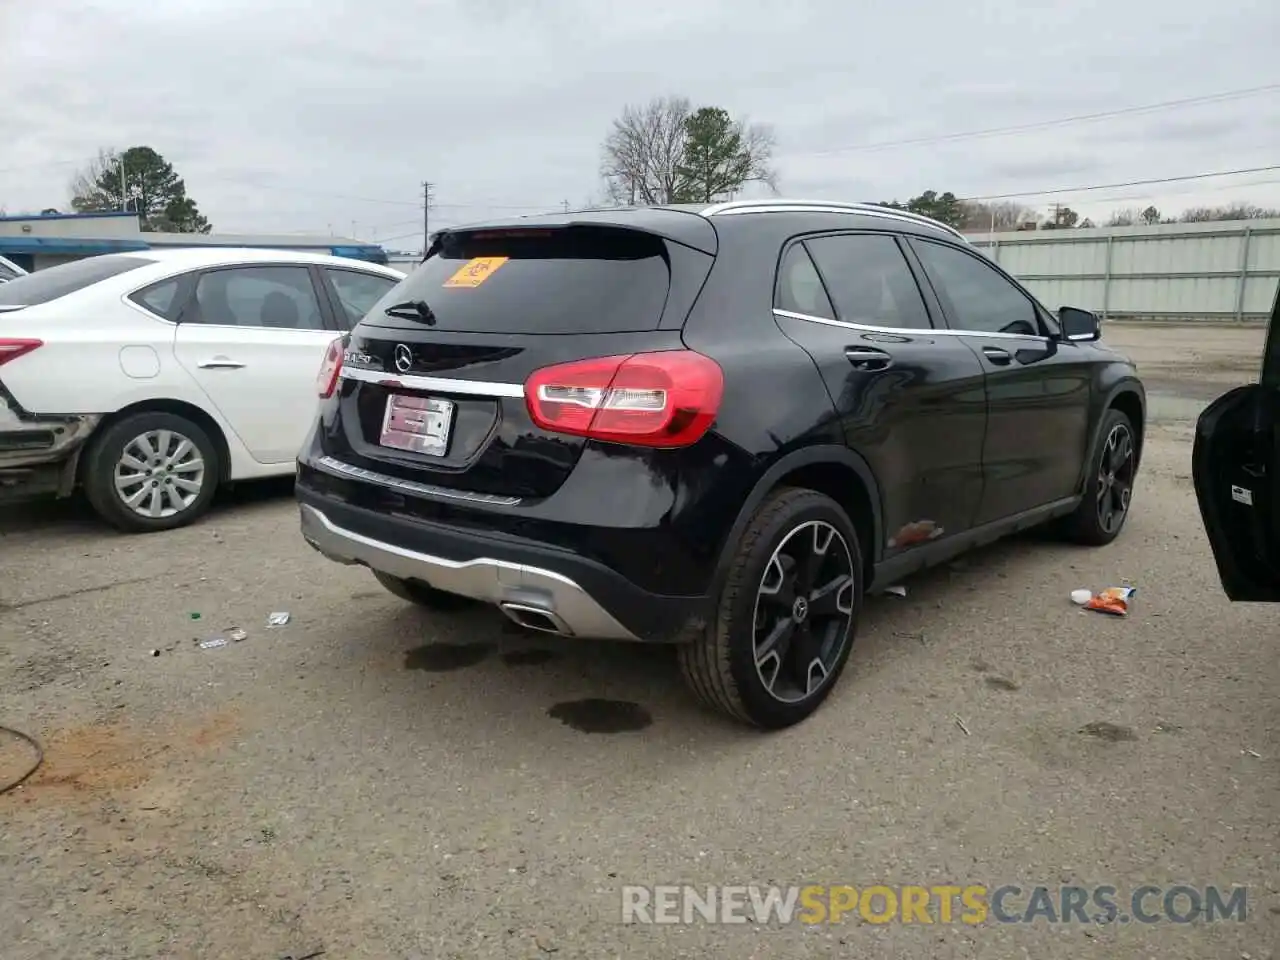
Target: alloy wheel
803,611
159,474
1115,478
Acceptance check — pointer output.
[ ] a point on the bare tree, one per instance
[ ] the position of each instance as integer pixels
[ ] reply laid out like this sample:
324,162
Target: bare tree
644,150
85,183
1233,211
667,152
1124,218
1004,215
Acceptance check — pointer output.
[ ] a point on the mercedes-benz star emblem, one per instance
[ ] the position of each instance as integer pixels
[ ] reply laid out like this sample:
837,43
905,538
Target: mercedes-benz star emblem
404,358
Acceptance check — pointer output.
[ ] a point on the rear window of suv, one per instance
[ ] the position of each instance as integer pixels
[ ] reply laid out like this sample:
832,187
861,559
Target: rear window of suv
570,280
45,286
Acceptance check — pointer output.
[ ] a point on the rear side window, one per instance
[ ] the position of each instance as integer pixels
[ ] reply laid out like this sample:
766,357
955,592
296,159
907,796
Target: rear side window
45,286
565,281
159,297
869,280
800,288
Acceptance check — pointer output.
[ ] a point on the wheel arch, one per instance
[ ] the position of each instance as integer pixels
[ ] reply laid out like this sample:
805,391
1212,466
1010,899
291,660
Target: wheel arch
180,408
1129,397
836,471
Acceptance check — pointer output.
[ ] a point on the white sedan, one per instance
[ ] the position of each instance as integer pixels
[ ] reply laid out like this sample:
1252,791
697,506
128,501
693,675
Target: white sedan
147,379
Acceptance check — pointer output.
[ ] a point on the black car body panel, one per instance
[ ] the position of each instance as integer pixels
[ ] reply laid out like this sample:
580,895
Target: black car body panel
939,438
1235,466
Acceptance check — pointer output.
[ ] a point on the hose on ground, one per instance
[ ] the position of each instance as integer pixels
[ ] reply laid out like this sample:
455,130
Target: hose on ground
35,745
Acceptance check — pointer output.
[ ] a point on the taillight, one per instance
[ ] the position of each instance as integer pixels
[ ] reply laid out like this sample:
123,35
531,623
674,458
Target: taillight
12,349
327,378
664,399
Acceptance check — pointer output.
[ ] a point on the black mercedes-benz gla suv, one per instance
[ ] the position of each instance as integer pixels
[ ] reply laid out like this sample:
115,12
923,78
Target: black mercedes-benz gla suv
716,426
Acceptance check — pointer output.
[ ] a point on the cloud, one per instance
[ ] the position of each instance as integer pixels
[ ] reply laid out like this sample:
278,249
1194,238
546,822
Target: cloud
329,114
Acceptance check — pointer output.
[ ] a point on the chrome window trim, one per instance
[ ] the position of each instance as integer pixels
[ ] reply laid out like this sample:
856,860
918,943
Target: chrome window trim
474,388
336,467
910,331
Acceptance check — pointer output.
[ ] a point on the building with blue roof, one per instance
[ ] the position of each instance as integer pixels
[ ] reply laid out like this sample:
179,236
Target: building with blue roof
37,241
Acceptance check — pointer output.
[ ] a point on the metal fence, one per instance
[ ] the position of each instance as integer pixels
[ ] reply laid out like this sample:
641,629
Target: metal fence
1226,270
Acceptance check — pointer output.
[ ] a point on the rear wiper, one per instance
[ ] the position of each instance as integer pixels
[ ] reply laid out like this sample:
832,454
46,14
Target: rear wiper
412,310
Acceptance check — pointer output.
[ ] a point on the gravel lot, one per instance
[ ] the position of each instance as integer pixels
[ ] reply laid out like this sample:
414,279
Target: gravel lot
371,781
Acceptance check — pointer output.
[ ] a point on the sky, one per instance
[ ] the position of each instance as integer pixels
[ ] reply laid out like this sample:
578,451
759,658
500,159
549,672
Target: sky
326,116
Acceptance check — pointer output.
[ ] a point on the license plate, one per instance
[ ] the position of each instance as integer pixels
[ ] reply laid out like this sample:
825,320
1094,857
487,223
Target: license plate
419,424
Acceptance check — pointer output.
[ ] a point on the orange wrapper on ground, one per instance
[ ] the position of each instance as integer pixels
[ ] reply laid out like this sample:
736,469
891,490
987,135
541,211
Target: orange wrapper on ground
1113,600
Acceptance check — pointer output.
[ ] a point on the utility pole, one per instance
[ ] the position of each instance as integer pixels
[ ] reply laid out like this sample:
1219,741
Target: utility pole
124,199
565,203
426,216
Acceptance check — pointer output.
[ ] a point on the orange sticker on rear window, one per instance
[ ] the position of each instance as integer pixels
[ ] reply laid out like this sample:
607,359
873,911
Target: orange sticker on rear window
475,271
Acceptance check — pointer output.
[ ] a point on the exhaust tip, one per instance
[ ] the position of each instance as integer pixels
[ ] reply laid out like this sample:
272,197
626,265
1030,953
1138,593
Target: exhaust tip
536,618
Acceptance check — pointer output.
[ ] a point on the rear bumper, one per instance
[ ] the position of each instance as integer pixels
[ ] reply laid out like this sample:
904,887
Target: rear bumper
37,454
539,585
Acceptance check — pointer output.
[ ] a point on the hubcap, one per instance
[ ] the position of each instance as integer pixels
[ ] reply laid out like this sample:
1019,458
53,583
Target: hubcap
159,474
803,611
1115,478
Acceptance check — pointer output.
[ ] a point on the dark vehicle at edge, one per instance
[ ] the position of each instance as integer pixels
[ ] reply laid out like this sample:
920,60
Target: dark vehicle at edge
718,426
1235,462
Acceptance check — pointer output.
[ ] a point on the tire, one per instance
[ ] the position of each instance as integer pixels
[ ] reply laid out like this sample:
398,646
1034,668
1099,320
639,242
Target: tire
422,594
1088,526
191,457
720,664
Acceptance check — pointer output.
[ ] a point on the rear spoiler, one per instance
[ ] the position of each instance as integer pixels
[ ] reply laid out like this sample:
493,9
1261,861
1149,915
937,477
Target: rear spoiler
679,226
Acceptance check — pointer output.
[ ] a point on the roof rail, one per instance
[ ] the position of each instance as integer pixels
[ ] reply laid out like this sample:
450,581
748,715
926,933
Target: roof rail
771,205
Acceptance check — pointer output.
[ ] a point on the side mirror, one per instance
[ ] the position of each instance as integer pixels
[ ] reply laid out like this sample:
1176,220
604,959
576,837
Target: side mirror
1079,325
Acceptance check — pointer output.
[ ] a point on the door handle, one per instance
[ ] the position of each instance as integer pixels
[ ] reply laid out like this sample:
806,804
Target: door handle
996,355
220,363
868,358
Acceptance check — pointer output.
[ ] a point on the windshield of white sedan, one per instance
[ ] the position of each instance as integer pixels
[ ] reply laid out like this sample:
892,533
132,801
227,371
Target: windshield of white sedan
45,286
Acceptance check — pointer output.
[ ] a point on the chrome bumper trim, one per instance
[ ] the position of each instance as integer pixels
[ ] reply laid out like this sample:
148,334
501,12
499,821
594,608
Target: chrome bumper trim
492,581
338,468
414,381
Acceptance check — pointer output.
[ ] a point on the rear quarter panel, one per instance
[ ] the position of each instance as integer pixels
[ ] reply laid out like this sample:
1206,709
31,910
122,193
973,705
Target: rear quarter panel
774,399
107,357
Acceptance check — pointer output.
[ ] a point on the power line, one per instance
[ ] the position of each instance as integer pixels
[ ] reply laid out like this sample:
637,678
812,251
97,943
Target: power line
1127,183
1045,124
1222,188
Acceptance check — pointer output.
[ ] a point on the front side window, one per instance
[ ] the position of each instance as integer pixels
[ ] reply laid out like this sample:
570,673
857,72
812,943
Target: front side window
870,281
977,297
273,297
